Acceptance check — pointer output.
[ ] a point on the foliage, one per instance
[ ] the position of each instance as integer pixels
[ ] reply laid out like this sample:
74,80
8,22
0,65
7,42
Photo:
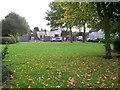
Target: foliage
8,40
5,71
16,37
102,40
102,15
13,24
77,14
109,16
116,44
54,14
61,65
4,51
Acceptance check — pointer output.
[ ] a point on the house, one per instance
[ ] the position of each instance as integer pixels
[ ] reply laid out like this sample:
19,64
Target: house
55,33
42,35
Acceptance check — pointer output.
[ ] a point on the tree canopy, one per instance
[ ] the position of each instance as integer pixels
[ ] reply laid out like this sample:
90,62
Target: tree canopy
13,24
54,14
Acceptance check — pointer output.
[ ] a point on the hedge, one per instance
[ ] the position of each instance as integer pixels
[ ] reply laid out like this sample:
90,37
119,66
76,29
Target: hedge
7,40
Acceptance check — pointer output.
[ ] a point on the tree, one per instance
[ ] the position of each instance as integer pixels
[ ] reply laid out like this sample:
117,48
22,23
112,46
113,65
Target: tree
102,15
76,14
13,24
68,19
108,12
54,14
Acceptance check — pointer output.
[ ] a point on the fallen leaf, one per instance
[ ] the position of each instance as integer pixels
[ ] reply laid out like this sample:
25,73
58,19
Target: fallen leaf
72,81
29,86
33,82
78,75
46,85
113,78
89,79
57,86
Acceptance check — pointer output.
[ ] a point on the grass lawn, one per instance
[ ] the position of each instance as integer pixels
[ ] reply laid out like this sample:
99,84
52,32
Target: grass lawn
54,65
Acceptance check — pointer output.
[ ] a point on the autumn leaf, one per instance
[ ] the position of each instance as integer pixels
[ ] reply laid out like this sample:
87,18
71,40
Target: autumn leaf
89,79
113,78
72,81
11,77
29,86
58,86
46,85
33,82
78,75
30,79
105,76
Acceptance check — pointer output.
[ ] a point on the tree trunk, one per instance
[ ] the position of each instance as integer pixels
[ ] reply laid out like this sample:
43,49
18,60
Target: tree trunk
107,38
84,34
71,39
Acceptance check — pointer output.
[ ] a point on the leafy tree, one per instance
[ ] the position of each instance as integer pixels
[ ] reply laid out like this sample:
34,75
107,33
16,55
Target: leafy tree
54,14
76,14
13,24
108,12
68,19
101,15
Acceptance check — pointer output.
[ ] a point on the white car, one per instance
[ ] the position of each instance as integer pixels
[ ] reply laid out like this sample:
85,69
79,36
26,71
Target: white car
56,39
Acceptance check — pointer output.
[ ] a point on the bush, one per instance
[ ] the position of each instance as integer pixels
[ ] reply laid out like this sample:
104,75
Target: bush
4,51
7,40
5,71
116,44
15,36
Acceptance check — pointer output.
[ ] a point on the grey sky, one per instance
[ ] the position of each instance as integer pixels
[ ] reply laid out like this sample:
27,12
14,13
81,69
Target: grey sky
32,10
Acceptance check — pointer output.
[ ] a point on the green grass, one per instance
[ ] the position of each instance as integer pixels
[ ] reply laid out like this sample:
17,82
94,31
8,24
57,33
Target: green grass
43,65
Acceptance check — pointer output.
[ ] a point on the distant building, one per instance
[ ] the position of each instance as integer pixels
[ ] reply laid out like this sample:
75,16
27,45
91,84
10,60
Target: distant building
94,34
44,35
56,33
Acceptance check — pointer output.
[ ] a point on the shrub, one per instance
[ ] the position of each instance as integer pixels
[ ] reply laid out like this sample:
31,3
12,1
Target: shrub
15,36
4,51
116,44
5,71
7,40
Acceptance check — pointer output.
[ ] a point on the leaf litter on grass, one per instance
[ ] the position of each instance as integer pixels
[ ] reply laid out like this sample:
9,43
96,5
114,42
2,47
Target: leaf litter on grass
63,70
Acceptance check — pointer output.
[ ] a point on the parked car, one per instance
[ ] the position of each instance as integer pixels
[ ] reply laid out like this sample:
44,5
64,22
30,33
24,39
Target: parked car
96,40
79,38
92,40
56,39
89,40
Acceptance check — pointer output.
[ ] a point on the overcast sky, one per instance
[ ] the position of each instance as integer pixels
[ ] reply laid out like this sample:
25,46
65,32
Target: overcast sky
32,10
